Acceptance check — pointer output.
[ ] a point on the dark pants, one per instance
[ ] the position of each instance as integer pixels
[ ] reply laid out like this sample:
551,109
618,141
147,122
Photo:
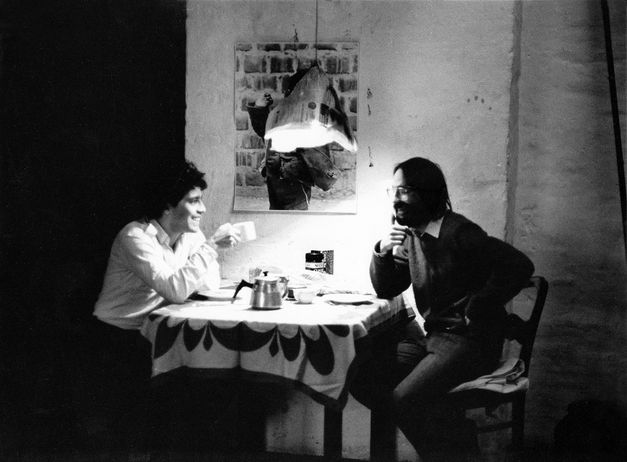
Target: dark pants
410,375
178,411
286,194
121,369
288,181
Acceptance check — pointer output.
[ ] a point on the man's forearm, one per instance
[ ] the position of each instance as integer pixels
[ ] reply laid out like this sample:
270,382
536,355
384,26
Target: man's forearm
387,276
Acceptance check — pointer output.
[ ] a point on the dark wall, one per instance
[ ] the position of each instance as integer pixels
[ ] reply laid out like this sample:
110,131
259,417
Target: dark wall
92,104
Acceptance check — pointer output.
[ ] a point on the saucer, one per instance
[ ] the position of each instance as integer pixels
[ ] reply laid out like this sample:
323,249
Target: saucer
348,299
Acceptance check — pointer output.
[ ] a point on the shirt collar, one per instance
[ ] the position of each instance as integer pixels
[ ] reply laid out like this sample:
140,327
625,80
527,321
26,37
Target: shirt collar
433,227
156,230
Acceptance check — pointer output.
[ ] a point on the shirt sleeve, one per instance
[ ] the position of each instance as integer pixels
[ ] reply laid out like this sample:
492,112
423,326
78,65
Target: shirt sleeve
175,285
211,279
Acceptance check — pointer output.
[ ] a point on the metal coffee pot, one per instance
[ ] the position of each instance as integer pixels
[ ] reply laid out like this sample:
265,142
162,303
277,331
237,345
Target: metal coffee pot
268,291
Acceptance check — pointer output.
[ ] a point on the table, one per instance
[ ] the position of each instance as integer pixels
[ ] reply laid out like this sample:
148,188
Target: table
314,347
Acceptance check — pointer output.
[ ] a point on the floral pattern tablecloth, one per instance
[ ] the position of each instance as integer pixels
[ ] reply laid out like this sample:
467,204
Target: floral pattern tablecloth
313,346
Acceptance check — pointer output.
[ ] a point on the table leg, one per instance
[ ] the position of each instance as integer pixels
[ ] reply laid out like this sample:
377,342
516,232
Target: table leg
332,434
252,412
382,437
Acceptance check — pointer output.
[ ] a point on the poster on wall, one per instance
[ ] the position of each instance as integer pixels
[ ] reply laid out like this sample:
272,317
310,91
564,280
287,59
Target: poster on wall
268,179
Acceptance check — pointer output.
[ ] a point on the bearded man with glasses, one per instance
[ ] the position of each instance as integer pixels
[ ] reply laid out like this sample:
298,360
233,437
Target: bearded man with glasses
461,279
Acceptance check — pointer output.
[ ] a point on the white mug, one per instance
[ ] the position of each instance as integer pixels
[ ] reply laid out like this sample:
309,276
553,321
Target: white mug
304,295
246,230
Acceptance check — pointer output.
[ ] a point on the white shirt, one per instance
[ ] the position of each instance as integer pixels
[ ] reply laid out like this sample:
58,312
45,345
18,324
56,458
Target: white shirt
433,227
144,273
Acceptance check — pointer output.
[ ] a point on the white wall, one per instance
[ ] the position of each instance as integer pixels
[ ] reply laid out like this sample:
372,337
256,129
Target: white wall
439,74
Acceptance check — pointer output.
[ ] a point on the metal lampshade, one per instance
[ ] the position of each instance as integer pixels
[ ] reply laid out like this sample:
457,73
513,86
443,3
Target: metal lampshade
309,116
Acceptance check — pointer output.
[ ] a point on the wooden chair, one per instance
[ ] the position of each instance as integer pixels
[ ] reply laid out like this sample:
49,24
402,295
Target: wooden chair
382,446
523,332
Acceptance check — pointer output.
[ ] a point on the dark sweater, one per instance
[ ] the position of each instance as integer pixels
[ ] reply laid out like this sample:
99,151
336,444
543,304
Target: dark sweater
468,274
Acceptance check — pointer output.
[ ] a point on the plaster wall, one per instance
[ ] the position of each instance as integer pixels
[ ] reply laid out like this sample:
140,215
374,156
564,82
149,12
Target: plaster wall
439,78
568,207
434,80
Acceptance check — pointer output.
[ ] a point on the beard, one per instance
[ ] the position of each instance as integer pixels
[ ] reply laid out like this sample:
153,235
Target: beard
411,215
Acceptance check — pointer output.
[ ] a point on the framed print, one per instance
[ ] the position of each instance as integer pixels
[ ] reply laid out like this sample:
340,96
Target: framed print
320,179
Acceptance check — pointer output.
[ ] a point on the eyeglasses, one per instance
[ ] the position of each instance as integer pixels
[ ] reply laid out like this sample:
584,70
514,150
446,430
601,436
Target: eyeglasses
393,191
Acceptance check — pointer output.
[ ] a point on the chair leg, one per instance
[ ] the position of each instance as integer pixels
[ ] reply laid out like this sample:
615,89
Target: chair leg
518,422
382,437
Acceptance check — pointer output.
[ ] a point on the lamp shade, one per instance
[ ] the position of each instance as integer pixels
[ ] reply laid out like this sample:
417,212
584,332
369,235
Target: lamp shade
309,116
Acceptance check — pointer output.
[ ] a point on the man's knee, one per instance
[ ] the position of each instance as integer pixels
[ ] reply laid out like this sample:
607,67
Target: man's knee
411,404
404,404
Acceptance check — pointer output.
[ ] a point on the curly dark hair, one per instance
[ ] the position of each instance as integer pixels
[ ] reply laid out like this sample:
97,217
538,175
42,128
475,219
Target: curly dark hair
170,188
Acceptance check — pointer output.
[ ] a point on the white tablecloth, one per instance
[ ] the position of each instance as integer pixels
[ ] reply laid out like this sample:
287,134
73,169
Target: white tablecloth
313,346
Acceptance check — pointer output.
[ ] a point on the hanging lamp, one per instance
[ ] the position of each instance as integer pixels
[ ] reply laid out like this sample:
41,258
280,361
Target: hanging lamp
311,115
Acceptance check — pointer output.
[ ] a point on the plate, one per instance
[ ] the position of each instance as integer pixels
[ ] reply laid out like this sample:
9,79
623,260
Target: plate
348,299
221,295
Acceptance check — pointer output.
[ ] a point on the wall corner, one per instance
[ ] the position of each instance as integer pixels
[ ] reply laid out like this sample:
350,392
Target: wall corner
513,126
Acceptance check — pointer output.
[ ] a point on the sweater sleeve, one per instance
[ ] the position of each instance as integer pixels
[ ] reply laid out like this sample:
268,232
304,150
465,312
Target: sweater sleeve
506,270
389,275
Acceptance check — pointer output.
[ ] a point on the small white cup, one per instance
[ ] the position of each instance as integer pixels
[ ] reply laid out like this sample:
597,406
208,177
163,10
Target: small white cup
246,230
304,295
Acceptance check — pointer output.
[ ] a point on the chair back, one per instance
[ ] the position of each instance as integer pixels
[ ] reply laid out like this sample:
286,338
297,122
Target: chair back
524,332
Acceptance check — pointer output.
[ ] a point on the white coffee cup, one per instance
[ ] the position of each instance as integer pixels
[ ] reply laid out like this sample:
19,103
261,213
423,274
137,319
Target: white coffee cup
304,295
246,230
